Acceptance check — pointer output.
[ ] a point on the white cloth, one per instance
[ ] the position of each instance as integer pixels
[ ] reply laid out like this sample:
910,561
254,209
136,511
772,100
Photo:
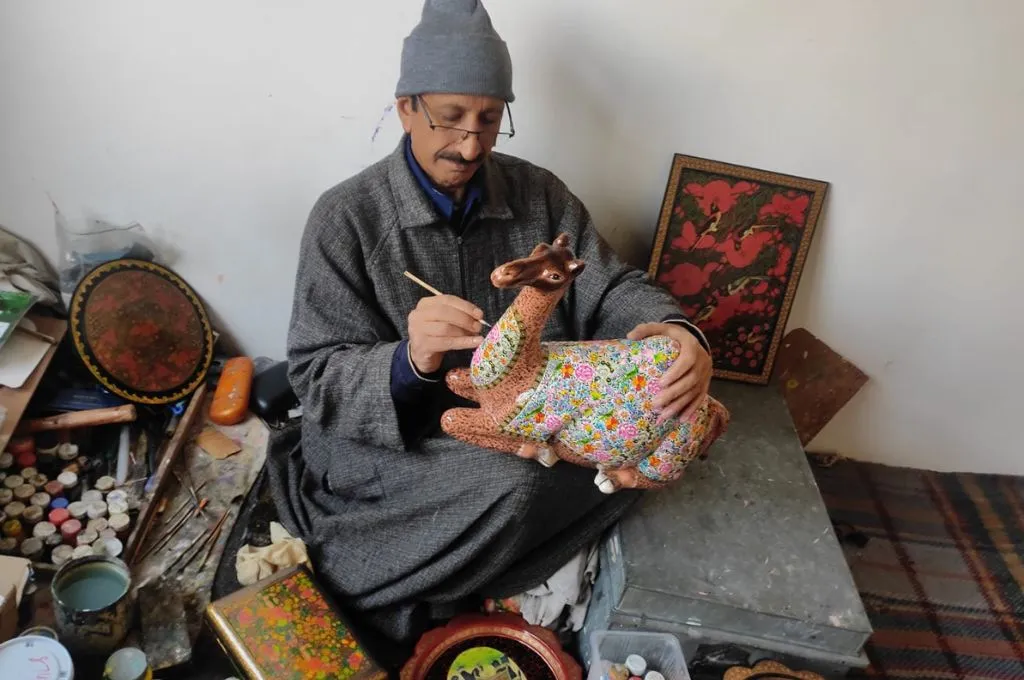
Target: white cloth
255,564
568,590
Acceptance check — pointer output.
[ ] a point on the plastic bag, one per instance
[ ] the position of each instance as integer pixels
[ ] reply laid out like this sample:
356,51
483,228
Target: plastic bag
80,252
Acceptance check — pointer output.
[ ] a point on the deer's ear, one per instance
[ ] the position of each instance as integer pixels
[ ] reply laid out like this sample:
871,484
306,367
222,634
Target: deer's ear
576,266
562,241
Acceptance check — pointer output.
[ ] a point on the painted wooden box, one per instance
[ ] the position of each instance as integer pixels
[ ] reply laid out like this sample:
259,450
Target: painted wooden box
285,628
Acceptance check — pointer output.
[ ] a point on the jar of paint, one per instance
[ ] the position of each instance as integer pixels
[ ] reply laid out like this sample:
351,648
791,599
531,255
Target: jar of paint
32,549
44,530
58,516
70,530
78,510
93,603
40,498
14,509
32,516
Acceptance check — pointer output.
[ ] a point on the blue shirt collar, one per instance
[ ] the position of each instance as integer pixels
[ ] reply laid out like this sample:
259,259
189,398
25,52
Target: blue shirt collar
442,201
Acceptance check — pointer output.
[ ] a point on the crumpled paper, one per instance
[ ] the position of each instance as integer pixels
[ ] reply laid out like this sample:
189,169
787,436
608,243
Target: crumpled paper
255,564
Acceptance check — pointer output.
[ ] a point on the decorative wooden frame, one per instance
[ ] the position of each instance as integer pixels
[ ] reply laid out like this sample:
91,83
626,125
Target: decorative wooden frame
436,644
731,245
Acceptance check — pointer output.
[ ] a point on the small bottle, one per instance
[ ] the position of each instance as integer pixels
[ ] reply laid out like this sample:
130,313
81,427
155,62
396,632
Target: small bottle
12,529
61,554
97,525
54,488
26,460
12,482
6,496
67,452
116,507
69,530
110,547
107,533
14,509
72,490
86,537
117,495
39,481
81,551
105,484
58,516
32,516
91,496
120,524
97,509
59,503
44,530
40,498
32,549
6,462
9,547
24,492
78,510
28,473
20,445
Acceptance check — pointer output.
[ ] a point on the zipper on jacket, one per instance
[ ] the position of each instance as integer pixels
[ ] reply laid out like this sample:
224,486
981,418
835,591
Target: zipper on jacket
462,270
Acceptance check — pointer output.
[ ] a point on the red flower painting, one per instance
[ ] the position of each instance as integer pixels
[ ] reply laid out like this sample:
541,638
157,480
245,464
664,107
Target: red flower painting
730,247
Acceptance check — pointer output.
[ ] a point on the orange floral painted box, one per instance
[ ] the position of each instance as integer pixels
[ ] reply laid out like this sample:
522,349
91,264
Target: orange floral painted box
285,628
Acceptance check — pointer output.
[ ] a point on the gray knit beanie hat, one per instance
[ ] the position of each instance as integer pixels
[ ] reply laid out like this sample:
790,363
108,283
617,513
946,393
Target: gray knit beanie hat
455,50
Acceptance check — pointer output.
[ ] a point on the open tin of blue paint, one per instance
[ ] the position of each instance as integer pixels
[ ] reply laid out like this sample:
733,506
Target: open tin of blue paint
93,603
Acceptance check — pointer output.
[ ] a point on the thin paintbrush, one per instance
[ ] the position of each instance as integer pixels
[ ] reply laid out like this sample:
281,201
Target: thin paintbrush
435,291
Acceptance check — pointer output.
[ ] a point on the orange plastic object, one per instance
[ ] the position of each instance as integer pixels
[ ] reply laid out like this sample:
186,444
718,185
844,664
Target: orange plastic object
231,400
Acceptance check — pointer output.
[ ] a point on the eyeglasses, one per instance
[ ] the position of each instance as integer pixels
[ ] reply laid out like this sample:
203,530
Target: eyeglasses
462,133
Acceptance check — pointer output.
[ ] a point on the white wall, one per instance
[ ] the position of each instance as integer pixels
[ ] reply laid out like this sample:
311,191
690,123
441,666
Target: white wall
217,124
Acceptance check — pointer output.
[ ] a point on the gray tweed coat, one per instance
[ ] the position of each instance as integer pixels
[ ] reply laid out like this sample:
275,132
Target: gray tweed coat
405,524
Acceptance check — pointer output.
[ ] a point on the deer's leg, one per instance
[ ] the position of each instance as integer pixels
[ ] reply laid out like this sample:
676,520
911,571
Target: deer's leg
470,424
459,382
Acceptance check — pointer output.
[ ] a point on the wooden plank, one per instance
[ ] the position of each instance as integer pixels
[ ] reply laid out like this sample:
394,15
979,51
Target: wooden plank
815,381
16,400
171,454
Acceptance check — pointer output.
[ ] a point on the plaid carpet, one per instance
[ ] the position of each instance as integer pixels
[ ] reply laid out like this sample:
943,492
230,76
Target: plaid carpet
942,572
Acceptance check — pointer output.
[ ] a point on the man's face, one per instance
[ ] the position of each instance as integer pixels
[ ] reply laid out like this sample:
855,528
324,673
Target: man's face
451,157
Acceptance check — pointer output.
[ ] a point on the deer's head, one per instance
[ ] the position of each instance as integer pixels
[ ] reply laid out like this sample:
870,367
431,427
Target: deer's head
549,267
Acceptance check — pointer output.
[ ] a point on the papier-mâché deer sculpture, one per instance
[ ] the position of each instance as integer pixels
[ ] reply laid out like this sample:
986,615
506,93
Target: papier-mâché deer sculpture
590,403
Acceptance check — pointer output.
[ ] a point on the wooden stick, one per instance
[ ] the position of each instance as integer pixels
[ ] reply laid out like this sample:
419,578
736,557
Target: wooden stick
170,457
77,419
420,282
36,334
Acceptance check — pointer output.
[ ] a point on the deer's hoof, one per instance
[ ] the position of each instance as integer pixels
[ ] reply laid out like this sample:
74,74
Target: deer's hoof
604,483
546,457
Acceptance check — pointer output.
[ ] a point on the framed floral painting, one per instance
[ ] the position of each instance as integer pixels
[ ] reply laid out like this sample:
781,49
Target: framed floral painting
730,246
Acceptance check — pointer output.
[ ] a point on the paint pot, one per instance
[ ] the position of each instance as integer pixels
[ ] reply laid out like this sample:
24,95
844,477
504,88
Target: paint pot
33,655
93,603
129,663
91,496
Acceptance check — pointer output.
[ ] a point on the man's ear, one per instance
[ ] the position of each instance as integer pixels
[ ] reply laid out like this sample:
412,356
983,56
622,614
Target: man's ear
407,108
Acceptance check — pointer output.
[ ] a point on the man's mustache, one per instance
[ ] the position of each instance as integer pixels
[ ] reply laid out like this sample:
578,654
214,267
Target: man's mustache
458,159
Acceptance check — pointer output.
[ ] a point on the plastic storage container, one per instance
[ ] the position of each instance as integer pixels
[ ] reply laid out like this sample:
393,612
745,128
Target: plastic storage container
661,651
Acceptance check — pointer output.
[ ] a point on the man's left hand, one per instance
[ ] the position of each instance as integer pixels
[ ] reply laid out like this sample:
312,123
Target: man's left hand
686,382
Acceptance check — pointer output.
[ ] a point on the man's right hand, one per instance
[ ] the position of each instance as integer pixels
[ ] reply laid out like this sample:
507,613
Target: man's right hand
439,324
